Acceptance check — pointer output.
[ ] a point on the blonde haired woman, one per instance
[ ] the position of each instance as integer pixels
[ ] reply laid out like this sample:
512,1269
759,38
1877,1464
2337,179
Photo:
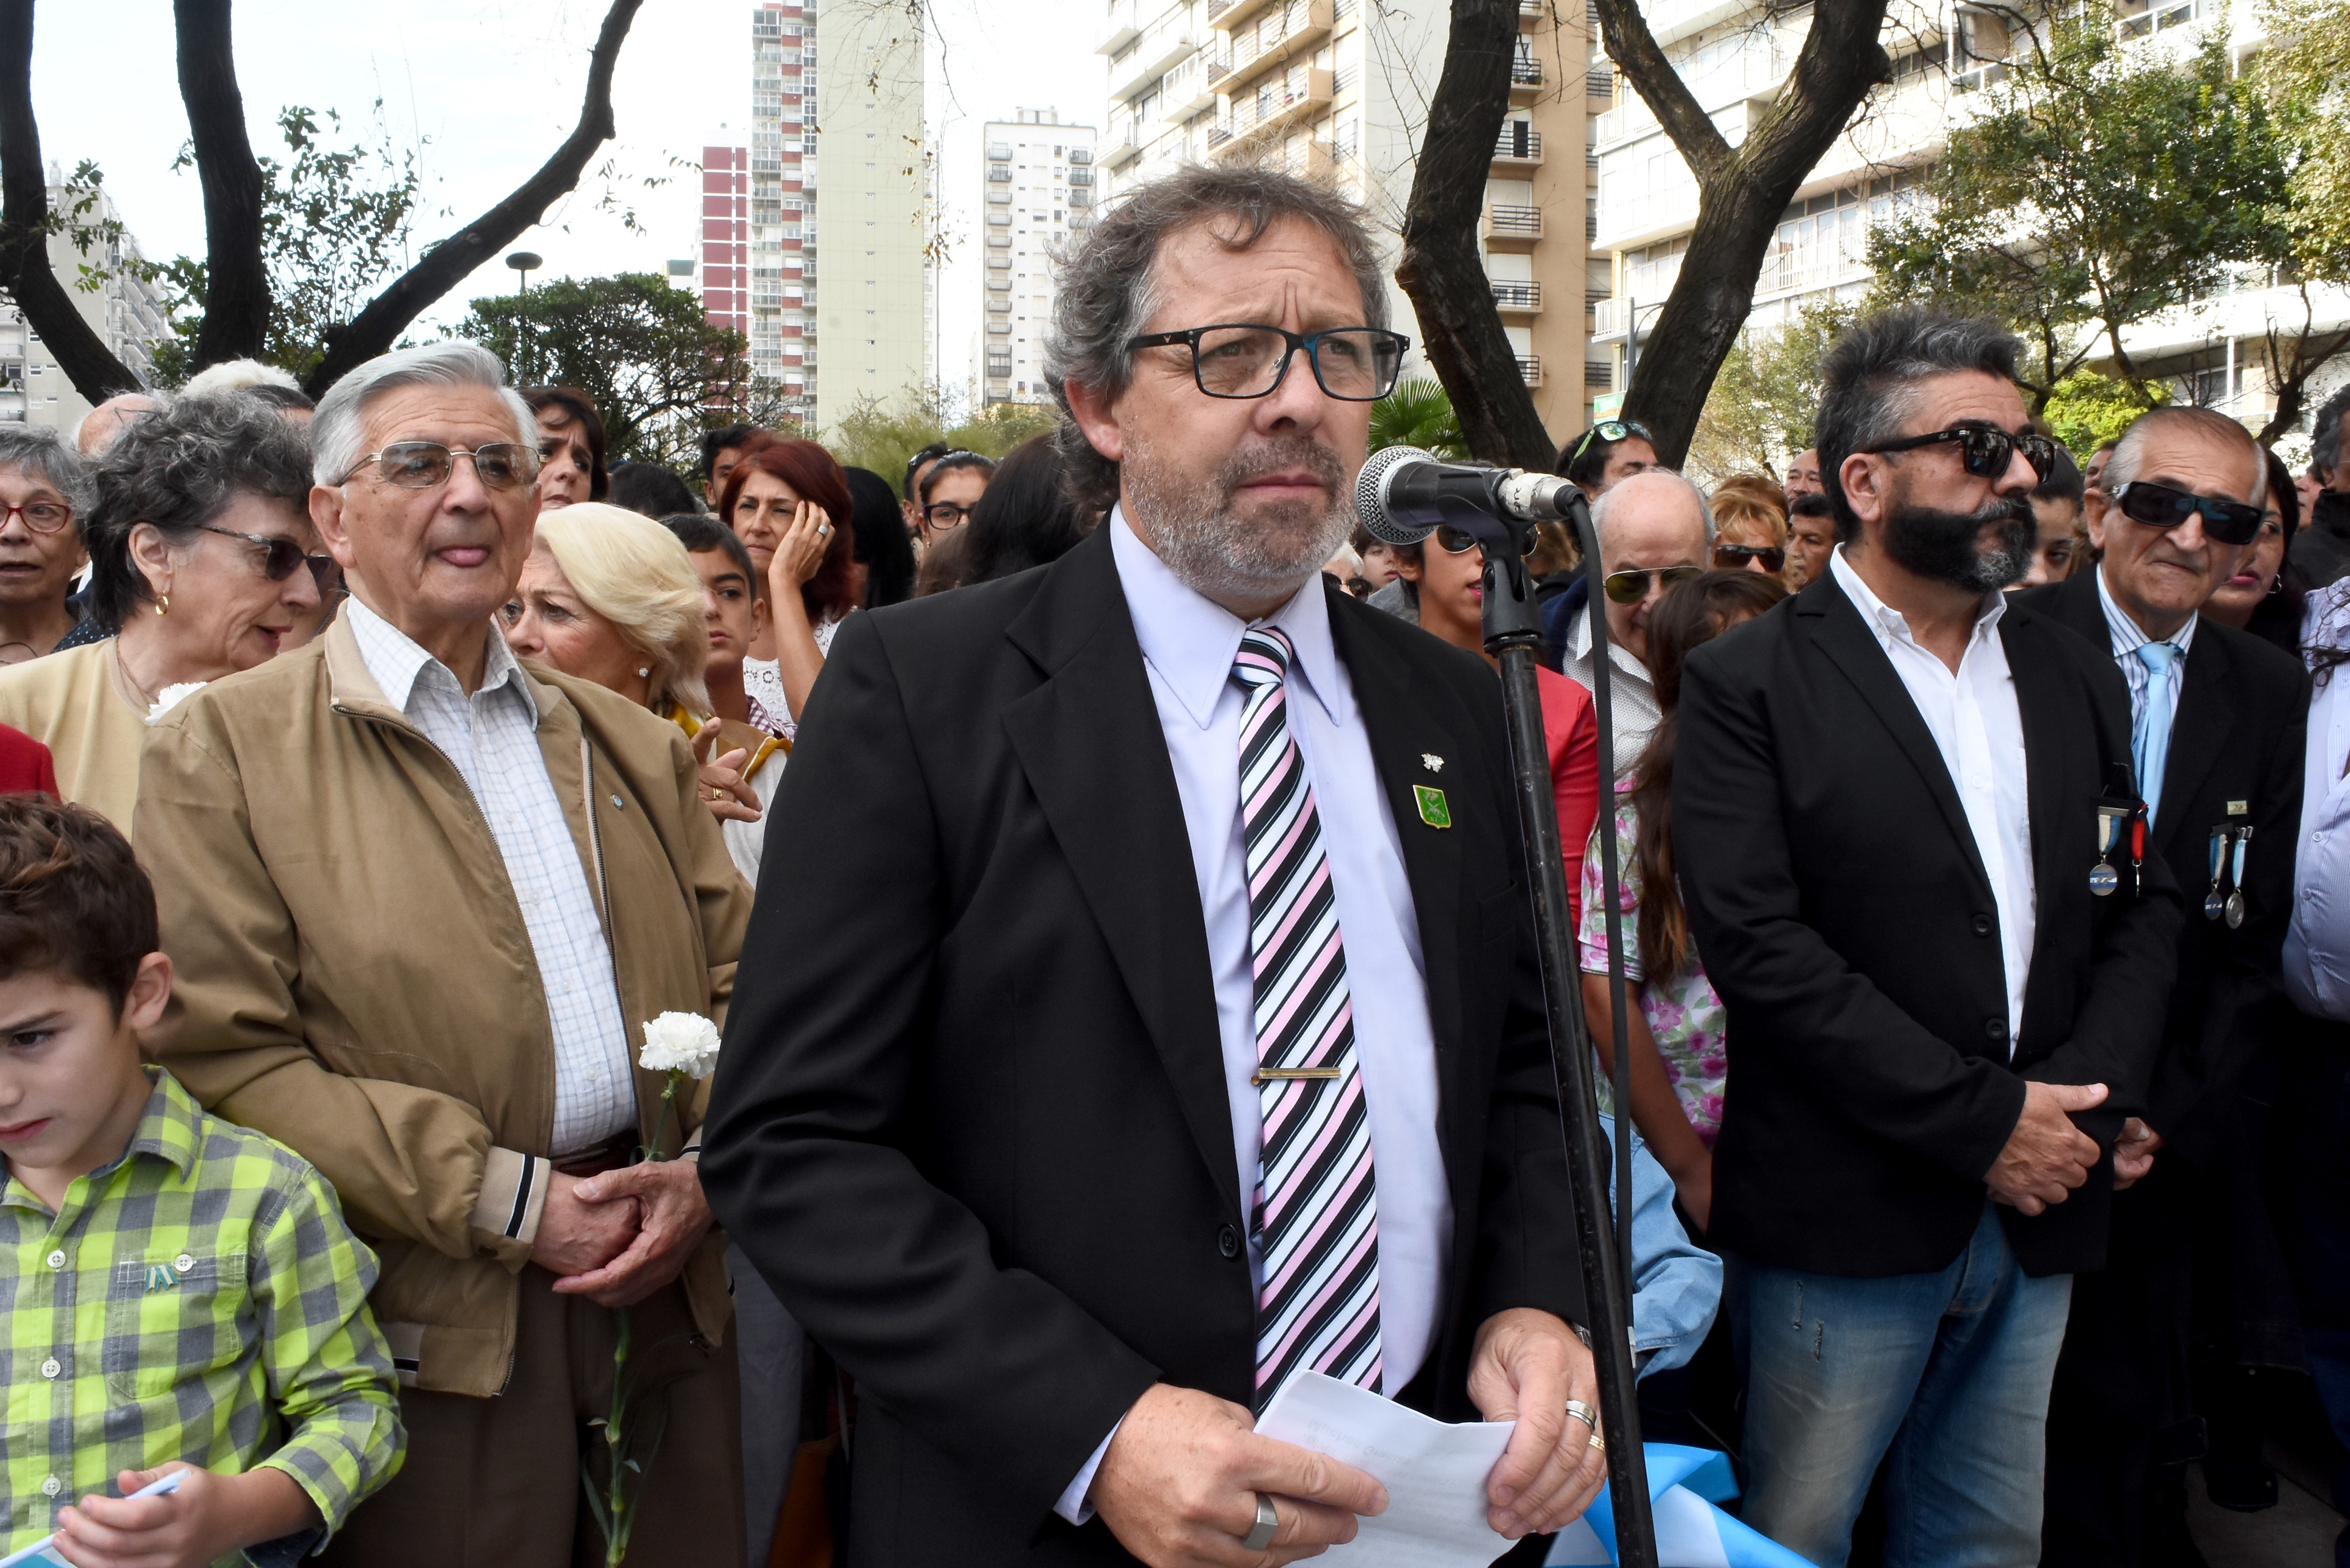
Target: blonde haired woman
611,597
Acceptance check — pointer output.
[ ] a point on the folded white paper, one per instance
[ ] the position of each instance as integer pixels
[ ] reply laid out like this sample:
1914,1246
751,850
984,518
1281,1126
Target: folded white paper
1435,1474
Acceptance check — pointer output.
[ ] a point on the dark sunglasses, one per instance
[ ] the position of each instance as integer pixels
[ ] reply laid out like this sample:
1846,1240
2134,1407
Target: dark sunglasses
2164,507
1984,451
282,557
1611,432
1730,557
1630,586
1458,542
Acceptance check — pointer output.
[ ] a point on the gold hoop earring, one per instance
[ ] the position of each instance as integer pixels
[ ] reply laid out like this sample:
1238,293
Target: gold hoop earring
163,604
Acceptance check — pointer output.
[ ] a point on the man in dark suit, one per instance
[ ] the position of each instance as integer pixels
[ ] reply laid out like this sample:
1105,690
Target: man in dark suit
1942,1001
2217,721
1135,905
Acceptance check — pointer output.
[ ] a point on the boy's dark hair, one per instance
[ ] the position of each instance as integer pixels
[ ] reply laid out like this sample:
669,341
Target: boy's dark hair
649,490
1810,504
700,533
2064,483
72,896
718,441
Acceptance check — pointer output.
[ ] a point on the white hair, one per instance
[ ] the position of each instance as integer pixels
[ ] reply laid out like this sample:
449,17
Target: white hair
2130,452
238,376
1603,510
338,431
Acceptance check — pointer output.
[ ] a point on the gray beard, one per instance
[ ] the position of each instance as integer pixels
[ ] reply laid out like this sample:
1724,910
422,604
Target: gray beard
1226,558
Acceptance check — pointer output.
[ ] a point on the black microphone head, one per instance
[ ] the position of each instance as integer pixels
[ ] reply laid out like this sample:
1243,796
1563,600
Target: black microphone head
1370,497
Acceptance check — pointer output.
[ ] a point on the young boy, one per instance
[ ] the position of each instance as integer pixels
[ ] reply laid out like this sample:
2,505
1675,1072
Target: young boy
176,1293
749,738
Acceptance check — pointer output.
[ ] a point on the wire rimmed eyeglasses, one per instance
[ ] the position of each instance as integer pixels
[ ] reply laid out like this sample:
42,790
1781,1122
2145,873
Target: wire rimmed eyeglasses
1249,360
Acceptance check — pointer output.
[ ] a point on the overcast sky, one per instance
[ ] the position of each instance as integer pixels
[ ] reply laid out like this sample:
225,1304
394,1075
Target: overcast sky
487,89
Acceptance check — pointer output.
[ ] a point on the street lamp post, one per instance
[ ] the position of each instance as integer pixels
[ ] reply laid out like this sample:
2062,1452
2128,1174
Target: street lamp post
524,263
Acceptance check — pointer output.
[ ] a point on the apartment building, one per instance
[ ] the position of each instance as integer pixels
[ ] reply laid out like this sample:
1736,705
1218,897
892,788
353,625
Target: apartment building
878,319
1735,57
126,312
720,270
1337,90
1037,192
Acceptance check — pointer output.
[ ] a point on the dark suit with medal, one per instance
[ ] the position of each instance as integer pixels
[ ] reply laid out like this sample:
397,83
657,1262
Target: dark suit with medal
2226,818
972,1119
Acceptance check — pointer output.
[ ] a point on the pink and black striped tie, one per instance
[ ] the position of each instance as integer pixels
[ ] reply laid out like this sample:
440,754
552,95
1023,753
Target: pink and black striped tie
1317,1205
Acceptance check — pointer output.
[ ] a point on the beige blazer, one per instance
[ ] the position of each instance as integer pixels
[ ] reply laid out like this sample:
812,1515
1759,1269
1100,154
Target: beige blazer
81,705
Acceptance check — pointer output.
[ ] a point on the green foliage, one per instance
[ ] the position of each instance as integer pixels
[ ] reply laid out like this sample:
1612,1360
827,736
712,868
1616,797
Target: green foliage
334,224
882,435
2087,409
659,371
1417,413
1759,413
2099,185
2302,72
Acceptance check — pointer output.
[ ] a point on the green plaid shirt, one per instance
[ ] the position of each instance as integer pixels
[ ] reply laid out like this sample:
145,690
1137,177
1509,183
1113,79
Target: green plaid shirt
200,1299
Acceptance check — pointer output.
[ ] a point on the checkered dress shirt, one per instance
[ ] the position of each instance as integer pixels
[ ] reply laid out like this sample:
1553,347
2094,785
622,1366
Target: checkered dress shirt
492,738
199,1299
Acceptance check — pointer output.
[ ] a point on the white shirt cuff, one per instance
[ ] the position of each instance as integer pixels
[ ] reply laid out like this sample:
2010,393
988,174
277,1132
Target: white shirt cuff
1074,1505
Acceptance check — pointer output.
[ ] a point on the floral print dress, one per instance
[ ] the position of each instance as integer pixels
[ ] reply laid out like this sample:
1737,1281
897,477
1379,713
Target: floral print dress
1684,1015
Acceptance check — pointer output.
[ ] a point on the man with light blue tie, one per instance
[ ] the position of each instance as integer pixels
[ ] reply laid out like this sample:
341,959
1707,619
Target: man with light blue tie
2216,727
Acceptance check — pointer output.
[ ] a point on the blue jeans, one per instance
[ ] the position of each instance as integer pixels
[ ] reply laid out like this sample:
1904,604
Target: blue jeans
1944,1376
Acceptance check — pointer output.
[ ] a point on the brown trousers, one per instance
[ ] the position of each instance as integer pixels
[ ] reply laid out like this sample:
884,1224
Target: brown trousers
494,1484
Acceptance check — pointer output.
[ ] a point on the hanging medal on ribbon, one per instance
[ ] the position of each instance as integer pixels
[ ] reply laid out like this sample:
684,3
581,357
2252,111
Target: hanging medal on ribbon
2214,904
2103,877
2235,909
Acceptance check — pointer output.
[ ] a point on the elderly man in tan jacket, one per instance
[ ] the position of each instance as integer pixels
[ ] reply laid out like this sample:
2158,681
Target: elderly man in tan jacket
422,899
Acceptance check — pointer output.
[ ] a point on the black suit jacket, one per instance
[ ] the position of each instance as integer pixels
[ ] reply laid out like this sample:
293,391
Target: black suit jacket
1843,914
970,1121
2237,739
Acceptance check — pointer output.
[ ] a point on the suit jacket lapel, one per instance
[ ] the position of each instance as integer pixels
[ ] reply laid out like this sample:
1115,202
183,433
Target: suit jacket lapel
2051,729
1402,725
2200,733
1839,630
1089,742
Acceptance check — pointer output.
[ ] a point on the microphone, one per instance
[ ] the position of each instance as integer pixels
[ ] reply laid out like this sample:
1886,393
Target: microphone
1402,493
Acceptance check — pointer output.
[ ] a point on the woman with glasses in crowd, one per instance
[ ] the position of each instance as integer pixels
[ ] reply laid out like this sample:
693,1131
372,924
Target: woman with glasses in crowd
203,563
1445,576
781,501
1675,1023
949,489
44,485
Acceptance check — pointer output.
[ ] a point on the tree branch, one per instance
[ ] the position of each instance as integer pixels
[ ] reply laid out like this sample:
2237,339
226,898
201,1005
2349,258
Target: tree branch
25,269
236,289
374,329
1634,48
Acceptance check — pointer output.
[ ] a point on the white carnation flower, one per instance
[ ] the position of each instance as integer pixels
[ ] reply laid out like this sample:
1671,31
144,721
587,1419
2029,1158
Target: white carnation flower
172,696
680,1043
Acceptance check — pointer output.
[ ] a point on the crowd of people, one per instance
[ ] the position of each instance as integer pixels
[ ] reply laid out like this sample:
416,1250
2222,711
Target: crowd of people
1102,863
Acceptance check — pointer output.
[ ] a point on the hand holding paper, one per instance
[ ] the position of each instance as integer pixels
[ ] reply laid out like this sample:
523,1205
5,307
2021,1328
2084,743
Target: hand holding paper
1527,1366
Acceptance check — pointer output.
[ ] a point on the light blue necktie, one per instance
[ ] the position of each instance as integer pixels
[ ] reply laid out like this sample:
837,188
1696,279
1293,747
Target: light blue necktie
2150,745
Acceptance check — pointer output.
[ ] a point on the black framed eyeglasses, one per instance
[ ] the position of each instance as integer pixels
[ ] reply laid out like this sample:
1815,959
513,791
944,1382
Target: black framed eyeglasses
1984,451
1630,586
1611,432
1248,360
2168,506
1730,557
427,464
946,514
40,516
281,556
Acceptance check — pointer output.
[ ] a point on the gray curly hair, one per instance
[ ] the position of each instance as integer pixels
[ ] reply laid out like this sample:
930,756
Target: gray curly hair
178,469
43,454
1109,289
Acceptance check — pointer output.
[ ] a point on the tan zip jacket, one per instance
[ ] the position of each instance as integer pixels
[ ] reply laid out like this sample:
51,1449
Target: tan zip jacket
355,980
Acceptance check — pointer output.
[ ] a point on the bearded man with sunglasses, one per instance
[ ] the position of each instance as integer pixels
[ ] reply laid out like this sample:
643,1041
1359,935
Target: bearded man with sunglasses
421,901
1944,992
1149,1017
2216,725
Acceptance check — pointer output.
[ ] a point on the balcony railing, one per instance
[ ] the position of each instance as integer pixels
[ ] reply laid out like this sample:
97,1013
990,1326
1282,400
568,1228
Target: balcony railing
1524,72
1513,296
1514,222
1530,368
1518,143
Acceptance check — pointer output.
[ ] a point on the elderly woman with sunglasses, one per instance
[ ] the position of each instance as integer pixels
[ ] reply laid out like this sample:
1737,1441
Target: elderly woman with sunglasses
203,563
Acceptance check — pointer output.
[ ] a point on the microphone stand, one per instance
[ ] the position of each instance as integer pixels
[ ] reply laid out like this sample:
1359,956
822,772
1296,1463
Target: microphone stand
1512,626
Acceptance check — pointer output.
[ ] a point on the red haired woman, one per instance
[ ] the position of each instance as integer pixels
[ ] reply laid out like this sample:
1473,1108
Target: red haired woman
781,500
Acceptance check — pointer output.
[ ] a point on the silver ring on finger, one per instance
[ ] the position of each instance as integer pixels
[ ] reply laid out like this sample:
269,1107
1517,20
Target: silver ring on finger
1260,1535
823,530
1577,1410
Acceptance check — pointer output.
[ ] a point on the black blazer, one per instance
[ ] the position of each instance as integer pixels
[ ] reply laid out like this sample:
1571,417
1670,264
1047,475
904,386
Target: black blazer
2237,738
970,1120
1844,916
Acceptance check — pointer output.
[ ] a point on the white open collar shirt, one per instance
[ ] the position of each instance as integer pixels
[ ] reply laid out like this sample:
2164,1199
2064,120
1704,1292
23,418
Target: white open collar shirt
1979,728
2317,946
1189,644
492,740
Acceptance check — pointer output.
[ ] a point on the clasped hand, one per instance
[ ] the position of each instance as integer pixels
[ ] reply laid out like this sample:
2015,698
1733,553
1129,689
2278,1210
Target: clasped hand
618,1237
2046,1156
1178,1483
